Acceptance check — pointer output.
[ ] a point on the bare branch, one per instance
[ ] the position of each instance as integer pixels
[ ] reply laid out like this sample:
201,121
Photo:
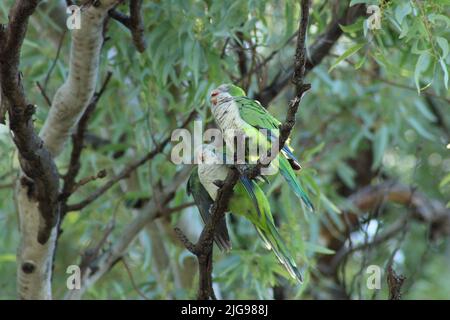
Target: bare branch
44,94
133,22
35,160
78,145
431,212
55,61
133,283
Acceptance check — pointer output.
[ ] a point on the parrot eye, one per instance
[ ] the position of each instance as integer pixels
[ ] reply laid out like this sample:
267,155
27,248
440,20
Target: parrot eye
214,93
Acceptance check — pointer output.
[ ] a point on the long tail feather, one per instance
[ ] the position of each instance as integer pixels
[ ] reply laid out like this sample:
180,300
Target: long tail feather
293,161
291,179
266,228
273,241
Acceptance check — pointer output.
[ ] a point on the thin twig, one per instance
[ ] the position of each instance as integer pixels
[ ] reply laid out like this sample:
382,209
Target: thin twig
127,170
78,145
44,94
317,52
55,61
133,283
133,22
393,83
100,175
137,25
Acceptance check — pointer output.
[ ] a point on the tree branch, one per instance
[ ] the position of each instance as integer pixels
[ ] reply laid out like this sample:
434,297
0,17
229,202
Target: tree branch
431,212
74,96
203,249
127,170
133,22
39,180
101,264
78,145
317,52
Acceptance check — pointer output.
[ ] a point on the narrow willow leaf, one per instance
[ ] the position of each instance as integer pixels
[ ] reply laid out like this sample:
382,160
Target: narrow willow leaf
379,146
420,129
349,52
445,181
358,25
443,43
401,11
421,66
318,248
444,69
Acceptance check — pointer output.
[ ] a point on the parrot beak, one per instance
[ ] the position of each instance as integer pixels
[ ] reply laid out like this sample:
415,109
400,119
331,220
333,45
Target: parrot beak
214,95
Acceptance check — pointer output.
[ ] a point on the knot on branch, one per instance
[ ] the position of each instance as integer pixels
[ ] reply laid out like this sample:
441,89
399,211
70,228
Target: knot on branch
28,267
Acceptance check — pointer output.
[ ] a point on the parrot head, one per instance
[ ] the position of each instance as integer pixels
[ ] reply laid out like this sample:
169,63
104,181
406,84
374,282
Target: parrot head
226,92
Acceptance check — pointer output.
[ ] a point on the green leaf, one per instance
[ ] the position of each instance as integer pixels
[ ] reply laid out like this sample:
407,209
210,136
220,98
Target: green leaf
401,11
439,17
329,205
421,66
196,57
444,69
360,63
347,174
423,109
349,52
405,29
7,257
318,248
358,25
379,146
309,153
443,43
354,2
445,181
420,129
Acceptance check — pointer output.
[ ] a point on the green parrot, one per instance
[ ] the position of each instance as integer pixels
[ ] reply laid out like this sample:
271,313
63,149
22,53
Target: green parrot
248,200
239,115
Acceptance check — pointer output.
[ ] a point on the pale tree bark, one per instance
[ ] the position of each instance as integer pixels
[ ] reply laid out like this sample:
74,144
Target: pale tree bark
73,96
37,189
106,260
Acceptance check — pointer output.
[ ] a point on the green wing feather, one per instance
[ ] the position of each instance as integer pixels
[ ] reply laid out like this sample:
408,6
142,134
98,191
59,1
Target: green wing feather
257,116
